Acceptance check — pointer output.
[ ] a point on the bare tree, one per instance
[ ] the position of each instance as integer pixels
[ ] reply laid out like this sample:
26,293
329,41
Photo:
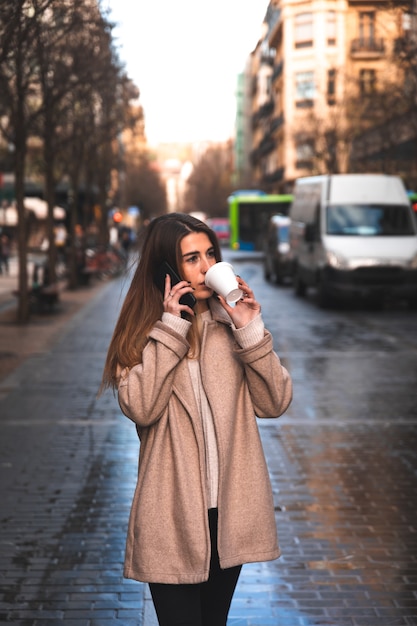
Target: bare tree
143,186
405,56
210,183
327,136
378,129
385,120
77,60
61,80
61,37
20,107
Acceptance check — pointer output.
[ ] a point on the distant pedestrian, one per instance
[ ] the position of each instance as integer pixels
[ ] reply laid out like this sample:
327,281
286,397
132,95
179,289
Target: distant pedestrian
125,243
61,238
193,381
4,253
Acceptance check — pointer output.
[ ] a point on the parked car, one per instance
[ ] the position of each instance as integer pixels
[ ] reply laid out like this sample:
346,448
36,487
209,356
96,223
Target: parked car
353,235
221,227
277,252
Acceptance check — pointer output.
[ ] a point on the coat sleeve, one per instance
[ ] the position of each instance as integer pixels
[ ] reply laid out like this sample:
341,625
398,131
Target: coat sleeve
268,381
145,389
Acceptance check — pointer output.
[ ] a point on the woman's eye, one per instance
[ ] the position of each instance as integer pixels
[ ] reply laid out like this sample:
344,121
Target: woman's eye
192,259
211,253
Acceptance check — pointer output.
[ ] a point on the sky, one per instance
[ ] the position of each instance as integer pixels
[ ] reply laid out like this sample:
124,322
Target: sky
184,56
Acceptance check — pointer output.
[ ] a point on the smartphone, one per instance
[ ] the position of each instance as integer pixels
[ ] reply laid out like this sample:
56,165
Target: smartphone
165,269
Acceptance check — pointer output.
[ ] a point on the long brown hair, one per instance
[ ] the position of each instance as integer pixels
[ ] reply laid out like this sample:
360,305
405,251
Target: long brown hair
143,304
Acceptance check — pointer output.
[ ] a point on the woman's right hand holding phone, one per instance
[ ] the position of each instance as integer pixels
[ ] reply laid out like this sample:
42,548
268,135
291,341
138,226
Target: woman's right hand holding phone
172,296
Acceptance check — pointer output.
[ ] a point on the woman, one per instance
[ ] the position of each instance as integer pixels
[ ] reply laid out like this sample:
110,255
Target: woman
193,380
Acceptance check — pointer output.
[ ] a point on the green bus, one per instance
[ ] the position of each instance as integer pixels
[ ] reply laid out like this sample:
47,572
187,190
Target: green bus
249,213
413,199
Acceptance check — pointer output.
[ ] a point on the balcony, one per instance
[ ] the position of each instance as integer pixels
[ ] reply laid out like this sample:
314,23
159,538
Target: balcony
274,177
277,122
367,48
307,103
266,146
267,57
277,71
254,157
304,164
264,111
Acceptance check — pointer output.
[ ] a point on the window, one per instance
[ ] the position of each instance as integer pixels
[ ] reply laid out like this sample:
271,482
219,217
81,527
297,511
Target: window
304,89
331,87
304,151
366,27
304,30
331,28
367,82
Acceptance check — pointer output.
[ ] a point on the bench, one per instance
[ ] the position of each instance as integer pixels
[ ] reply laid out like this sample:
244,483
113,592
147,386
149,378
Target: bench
87,273
44,297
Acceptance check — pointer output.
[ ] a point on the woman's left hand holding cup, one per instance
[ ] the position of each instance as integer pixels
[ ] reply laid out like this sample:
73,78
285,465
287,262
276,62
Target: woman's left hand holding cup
246,309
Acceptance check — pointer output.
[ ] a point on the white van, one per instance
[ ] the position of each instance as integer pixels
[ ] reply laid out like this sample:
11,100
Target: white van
353,235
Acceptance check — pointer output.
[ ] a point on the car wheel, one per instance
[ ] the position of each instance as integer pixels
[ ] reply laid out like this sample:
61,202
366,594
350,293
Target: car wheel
412,303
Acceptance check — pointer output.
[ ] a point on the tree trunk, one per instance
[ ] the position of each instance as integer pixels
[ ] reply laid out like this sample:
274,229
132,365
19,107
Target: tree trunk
50,199
72,260
23,311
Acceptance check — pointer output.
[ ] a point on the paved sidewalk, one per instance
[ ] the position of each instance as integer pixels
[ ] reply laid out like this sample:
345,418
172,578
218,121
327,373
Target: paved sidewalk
62,522
18,345
18,342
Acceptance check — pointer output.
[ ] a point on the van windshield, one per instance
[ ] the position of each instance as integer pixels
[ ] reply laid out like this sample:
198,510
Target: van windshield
369,220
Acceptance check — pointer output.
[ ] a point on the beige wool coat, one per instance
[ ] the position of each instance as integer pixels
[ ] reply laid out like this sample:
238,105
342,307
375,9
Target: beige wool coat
168,537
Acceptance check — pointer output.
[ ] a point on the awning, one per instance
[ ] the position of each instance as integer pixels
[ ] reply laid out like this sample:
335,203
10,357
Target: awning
8,217
40,208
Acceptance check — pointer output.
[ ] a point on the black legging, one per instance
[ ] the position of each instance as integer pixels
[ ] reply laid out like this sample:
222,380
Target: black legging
202,604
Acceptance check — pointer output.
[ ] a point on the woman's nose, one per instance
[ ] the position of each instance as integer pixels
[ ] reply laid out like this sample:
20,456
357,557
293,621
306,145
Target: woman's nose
205,264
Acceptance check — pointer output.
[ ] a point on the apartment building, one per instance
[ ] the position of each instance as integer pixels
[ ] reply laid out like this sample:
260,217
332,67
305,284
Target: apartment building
307,79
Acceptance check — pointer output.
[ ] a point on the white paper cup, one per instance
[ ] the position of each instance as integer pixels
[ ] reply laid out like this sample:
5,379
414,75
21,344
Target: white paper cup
221,278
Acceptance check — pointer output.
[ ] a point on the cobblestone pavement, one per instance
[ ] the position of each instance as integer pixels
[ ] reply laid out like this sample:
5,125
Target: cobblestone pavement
342,462
17,343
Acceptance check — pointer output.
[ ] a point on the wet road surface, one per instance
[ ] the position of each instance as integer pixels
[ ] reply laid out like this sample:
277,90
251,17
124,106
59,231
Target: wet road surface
342,462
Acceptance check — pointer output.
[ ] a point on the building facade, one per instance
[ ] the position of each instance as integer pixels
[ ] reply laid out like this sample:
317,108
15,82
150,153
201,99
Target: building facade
317,67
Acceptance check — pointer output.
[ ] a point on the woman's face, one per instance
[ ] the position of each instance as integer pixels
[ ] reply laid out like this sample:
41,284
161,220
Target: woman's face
197,255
